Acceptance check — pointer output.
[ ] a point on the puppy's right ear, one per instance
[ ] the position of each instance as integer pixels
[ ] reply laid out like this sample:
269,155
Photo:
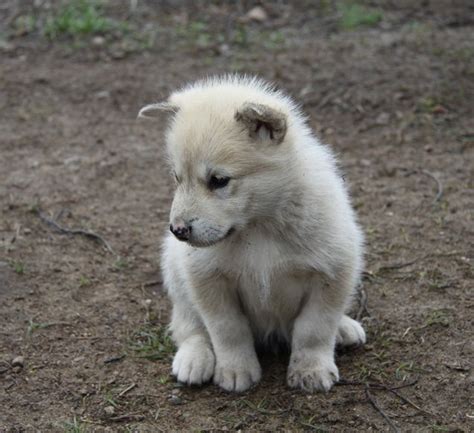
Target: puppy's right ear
263,122
152,111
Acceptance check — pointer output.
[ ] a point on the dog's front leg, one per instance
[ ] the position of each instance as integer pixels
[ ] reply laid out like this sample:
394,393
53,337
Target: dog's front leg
312,366
237,367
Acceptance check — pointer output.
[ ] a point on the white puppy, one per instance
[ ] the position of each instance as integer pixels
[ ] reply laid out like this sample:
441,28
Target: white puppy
265,242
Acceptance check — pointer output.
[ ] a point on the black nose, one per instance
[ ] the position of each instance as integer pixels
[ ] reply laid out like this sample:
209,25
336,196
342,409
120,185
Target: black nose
181,231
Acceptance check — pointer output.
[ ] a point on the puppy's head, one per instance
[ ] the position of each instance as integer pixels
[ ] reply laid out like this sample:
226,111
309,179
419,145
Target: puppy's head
229,154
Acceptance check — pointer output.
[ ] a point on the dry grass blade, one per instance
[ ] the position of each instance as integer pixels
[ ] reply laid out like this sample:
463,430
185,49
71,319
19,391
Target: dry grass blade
439,185
373,402
80,232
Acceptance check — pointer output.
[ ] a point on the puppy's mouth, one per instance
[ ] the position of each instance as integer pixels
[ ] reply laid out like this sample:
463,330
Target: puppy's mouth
208,243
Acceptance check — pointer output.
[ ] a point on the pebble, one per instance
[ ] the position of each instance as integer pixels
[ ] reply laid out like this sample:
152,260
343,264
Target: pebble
257,14
109,410
18,361
175,400
98,41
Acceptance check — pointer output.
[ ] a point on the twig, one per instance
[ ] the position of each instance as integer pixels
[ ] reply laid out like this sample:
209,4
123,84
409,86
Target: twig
343,382
129,388
408,401
400,265
439,194
379,409
128,417
362,305
81,232
152,283
392,389
439,185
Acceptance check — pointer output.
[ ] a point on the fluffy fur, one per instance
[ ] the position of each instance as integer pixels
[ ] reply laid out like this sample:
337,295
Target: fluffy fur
275,252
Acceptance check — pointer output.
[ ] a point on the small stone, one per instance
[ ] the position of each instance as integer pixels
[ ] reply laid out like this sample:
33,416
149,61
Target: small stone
257,14
19,361
103,94
98,41
175,400
382,119
224,50
109,410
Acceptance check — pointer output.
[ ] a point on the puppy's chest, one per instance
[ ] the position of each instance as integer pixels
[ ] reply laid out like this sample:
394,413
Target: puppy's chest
268,280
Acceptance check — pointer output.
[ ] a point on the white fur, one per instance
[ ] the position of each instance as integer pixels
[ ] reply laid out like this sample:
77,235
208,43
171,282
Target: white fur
277,252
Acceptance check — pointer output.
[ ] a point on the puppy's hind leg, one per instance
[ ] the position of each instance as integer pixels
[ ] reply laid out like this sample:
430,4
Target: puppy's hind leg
194,361
350,332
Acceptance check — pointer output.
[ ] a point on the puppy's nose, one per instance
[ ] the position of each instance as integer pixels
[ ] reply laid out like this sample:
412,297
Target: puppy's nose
181,231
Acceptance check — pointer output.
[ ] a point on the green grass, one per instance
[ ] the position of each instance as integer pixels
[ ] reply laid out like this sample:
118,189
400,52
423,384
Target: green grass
439,428
79,17
437,317
163,380
404,370
110,399
74,426
354,15
120,264
84,281
34,326
152,342
18,267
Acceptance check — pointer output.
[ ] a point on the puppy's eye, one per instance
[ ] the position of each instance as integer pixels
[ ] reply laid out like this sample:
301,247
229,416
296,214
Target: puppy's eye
216,182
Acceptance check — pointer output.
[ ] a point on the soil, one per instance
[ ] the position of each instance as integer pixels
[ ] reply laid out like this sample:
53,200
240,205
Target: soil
394,99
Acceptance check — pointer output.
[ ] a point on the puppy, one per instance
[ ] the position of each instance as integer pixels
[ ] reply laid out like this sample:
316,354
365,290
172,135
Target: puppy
263,240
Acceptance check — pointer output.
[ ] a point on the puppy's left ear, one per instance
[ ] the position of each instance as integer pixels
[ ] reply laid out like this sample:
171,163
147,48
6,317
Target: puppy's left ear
263,122
152,111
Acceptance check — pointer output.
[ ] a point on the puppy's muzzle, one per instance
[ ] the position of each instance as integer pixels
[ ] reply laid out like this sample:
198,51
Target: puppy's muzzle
181,231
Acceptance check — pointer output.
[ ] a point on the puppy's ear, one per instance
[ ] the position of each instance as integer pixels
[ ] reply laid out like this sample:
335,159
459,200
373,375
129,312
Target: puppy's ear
152,111
263,122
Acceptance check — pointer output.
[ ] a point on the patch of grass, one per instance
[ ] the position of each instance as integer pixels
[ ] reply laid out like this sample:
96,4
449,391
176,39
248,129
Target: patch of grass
368,372
404,369
437,317
273,40
120,264
24,24
196,33
163,380
428,104
79,17
109,398
354,15
439,428
74,426
309,424
152,342
34,326
84,281
18,267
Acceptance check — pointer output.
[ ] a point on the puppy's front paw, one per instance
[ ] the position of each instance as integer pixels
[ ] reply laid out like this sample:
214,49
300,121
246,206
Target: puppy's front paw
237,373
194,362
312,372
350,332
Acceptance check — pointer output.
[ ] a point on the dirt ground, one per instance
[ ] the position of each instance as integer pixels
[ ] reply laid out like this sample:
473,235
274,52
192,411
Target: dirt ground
394,96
